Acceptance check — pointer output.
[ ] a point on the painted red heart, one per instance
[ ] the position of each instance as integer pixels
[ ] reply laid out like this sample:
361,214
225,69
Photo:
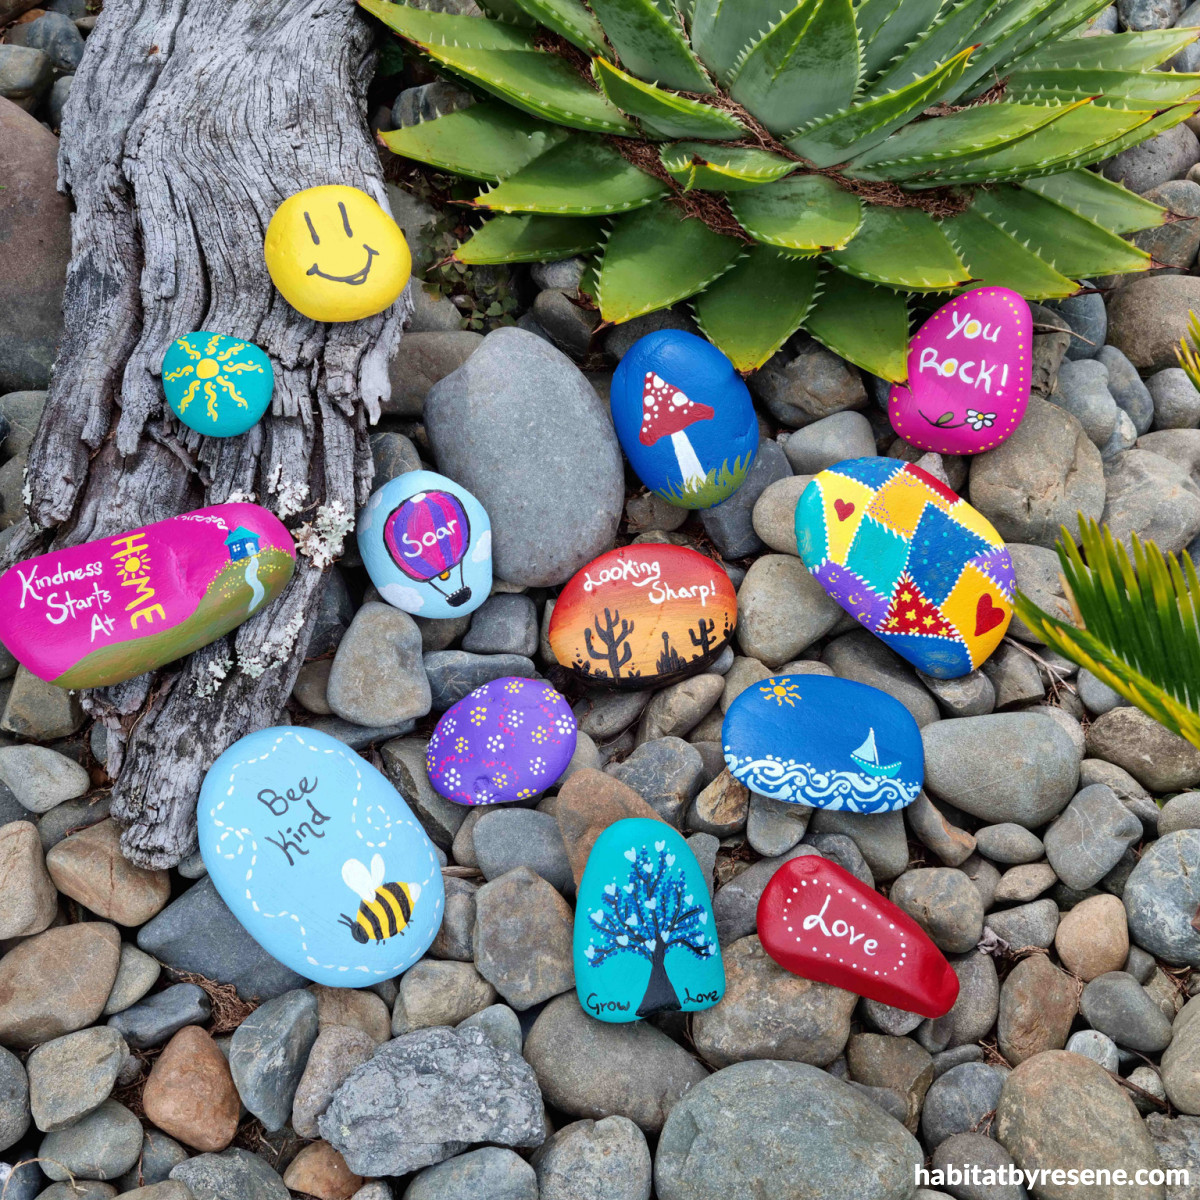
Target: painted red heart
820,922
987,615
843,508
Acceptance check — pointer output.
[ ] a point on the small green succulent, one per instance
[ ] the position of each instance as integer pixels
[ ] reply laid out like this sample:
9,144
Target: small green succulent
790,165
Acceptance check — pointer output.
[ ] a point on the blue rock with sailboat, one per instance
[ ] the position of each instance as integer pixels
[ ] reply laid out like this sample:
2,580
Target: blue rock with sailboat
825,742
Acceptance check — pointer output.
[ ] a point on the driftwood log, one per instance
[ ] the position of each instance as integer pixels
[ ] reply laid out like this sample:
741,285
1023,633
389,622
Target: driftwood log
189,121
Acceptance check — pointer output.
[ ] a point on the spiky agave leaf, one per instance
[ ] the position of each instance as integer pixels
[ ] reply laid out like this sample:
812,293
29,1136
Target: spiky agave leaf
1138,625
789,164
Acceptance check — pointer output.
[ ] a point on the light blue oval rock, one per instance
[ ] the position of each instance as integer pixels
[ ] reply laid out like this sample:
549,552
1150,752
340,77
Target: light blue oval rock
824,742
319,857
684,418
427,544
216,384
645,934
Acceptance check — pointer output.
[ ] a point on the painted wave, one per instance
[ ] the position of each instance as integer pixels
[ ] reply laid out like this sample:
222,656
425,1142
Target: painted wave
786,779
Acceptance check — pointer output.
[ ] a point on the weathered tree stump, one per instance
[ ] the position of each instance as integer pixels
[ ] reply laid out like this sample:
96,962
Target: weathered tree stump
189,121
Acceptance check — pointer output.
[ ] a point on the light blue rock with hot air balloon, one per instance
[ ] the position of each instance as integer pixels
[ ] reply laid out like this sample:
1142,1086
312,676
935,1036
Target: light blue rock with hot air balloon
427,544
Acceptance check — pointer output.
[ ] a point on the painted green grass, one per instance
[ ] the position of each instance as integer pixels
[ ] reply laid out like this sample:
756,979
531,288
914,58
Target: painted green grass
719,484
222,608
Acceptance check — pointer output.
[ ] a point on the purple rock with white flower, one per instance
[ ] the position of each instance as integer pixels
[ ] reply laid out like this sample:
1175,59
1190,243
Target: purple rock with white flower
507,740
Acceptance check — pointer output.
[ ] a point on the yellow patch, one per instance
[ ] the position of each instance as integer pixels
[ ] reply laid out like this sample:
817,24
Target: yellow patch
335,255
839,493
962,609
901,501
972,519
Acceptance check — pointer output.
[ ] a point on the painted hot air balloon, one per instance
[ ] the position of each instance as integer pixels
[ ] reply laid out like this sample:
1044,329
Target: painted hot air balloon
427,537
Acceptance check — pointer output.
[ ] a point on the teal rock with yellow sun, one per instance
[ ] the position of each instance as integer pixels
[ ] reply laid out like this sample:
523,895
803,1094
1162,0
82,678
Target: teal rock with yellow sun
216,384
824,742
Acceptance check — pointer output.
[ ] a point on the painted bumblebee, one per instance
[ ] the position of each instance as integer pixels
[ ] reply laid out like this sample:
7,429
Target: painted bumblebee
386,908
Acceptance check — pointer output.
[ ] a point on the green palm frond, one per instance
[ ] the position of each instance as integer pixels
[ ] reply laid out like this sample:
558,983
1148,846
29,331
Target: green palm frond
1137,623
889,148
1189,360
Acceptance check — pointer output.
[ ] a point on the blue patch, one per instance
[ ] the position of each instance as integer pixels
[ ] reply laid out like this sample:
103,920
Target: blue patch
874,472
940,657
812,540
939,548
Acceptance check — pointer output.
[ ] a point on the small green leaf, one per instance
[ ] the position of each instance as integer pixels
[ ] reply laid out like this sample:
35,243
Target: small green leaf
569,18
894,30
801,212
651,43
485,141
804,68
901,248
1116,52
1113,89
999,260
723,168
663,114
1072,244
656,257
866,324
755,307
1091,196
582,177
533,238
723,29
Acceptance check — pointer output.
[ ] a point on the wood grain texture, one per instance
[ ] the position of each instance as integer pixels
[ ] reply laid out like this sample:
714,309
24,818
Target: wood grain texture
189,121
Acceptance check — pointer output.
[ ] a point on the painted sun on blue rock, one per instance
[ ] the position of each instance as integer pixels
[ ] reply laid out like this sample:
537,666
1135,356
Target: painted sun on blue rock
824,742
684,418
319,857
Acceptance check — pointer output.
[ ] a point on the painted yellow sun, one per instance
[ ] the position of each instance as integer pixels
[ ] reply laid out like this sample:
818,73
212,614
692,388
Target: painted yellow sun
210,369
132,564
782,691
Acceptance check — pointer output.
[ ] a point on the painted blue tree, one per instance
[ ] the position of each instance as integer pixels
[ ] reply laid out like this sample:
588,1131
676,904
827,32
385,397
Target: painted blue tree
647,914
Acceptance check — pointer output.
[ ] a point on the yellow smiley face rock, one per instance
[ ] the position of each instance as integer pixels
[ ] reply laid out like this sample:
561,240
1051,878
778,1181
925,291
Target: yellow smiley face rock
335,255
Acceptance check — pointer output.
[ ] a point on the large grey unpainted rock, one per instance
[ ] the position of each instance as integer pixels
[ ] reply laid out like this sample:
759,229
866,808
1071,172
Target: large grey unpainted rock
521,428
1162,897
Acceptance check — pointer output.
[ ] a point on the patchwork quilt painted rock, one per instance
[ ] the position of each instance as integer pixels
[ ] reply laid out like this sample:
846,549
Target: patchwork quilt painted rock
645,936
508,740
215,384
909,559
427,545
335,255
824,742
969,369
319,857
108,610
820,922
643,614
684,418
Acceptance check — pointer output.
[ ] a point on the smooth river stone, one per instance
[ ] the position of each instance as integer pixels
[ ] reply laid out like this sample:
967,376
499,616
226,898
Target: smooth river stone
824,742
319,857
507,740
645,935
968,374
427,545
684,418
820,922
215,384
106,611
647,614
909,559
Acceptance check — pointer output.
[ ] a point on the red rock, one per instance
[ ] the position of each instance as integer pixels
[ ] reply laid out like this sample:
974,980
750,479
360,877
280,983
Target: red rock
190,1094
319,1170
819,922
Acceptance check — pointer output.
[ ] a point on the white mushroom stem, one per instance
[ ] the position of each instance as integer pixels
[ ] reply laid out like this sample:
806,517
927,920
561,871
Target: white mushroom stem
689,465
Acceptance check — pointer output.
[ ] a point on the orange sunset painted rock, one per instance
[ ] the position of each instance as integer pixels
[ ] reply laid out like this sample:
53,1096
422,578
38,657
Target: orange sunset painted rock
643,614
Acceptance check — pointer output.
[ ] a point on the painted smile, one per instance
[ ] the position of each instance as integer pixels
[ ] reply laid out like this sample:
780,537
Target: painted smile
354,280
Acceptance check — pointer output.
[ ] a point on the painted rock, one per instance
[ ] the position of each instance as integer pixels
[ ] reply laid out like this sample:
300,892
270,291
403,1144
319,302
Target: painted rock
645,935
508,740
427,545
215,384
824,742
909,559
684,418
335,255
643,614
319,857
108,610
968,374
819,922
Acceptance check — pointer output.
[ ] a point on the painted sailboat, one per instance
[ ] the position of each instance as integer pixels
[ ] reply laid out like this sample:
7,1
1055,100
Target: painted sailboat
867,757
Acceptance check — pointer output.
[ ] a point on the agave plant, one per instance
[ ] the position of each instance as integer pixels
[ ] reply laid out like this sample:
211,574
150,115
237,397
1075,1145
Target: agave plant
1137,624
791,165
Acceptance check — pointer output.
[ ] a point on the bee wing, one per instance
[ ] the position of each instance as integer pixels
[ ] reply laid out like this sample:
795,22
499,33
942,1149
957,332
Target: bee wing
376,872
358,879
414,890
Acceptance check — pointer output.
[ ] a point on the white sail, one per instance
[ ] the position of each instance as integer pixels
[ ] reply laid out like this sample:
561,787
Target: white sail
867,750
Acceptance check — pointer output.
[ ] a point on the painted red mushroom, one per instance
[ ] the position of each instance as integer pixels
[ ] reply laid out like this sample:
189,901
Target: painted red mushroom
667,412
